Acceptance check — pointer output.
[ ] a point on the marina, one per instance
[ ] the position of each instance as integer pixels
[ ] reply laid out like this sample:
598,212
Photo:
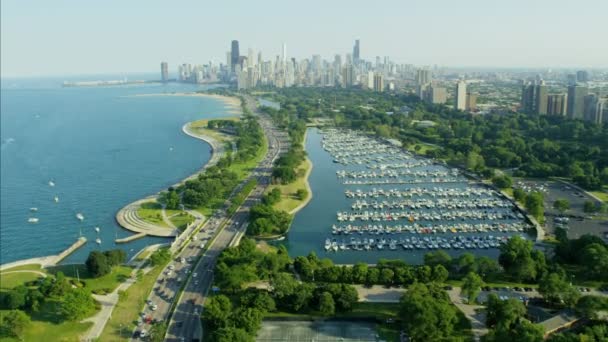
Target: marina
380,201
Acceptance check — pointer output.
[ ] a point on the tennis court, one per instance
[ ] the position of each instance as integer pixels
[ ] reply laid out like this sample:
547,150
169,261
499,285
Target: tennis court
323,331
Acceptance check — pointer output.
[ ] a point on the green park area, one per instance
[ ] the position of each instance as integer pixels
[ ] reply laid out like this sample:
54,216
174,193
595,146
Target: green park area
289,192
422,148
152,212
202,127
99,285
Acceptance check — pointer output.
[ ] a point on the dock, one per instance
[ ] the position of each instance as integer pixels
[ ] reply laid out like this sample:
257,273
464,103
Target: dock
47,261
131,238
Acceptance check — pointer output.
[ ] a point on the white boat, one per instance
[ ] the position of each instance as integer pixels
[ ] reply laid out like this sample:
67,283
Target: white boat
51,183
56,199
80,216
32,220
97,229
33,209
98,241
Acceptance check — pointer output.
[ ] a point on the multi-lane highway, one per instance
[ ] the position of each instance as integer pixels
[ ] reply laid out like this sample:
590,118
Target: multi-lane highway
185,324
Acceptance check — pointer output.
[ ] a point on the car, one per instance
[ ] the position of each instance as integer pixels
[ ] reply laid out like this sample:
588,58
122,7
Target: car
154,307
194,275
171,267
142,334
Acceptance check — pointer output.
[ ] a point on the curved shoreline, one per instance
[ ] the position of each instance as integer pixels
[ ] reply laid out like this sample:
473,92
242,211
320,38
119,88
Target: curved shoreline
127,217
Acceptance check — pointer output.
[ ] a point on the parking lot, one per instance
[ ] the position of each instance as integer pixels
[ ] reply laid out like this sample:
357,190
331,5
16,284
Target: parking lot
579,222
316,331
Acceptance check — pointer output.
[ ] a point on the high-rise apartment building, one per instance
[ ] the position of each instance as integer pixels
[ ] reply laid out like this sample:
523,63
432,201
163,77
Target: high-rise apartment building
471,102
235,54
540,101
378,82
594,108
556,104
347,76
461,96
164,71
576,101
356,51
423,76
582,76
527,98
435,95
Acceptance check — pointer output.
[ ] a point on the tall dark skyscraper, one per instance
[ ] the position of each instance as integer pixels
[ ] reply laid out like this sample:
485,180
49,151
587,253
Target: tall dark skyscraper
356,56
164,71
234,53
527,98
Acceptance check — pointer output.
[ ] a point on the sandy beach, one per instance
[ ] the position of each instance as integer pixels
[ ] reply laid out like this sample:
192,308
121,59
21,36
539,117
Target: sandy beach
233,103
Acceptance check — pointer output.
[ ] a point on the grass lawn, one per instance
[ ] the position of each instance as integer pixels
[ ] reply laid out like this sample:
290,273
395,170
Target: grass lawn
422,148
200,127
181,220
152,212
47,325
108,282
8,281
288,200
603,195
129,306
33,267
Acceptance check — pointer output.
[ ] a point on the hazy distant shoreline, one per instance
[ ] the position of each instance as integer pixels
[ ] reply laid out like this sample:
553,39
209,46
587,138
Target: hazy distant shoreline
233,103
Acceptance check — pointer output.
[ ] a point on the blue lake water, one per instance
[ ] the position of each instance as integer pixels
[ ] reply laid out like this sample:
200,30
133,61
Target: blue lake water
312,225
102,147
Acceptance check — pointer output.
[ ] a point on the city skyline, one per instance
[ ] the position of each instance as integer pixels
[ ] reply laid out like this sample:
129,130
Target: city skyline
468,34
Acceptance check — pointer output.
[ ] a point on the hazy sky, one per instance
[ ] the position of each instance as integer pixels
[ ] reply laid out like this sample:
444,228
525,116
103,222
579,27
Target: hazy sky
86,37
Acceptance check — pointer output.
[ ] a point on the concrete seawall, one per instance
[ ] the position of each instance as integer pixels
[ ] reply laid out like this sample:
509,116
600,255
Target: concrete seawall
47,261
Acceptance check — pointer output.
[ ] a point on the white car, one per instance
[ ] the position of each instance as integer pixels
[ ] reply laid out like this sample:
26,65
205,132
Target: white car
154,307
142,334
194,275
171,267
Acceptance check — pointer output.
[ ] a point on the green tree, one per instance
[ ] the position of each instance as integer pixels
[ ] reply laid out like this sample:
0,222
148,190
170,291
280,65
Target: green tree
561,205
15,298
217,311
386,276
301,194
592,307
157,332
427,313
471,286
439,257
360,273
249,319
327,307
97,264
77,304
589,207
534,205
372,276
519,195
160,256
556,289
231,334
502,182
516,258
440,274
14,324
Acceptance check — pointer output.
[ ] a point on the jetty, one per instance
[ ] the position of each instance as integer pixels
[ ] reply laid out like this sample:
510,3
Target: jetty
131,238
47,261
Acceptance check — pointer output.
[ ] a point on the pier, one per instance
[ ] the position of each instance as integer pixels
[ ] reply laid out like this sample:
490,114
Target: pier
47,261
131,238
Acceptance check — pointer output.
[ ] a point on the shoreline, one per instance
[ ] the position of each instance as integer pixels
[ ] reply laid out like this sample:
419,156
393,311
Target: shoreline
217,152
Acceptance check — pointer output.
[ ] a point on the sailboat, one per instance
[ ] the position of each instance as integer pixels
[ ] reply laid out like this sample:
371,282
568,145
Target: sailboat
98,241
51,183
80,216
56,199
97,229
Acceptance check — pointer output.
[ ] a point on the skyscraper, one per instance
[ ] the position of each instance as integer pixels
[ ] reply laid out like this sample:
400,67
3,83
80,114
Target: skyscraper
461,96
164,71
423,76
556,104
540,103
582,76
435,95
527,98
471,102
576,101
234,53
378,82
347,76
356,57
284,53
